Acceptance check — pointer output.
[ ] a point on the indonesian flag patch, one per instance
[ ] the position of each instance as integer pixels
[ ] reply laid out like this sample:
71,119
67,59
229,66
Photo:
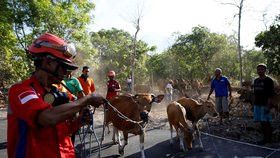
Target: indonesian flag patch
26,96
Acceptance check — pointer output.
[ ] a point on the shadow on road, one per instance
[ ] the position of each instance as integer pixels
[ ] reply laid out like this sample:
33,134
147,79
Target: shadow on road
157,145
3,145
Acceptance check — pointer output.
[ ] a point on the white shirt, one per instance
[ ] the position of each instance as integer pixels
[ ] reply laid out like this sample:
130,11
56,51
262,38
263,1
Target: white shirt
129,80
169,88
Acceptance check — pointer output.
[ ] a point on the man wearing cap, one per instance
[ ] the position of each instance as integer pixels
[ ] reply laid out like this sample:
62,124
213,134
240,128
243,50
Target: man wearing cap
37,119
263,92
222,88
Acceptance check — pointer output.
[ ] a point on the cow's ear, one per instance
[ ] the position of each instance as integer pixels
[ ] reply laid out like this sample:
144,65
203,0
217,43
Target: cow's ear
159,98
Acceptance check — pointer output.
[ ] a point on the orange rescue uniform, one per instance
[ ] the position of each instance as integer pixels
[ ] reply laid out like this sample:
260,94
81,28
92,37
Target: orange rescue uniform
87,84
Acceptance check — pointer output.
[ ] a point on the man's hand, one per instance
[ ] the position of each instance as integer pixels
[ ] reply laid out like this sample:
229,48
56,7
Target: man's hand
96,100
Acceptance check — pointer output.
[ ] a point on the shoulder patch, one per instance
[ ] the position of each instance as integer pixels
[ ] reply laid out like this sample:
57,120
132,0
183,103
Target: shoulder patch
26,96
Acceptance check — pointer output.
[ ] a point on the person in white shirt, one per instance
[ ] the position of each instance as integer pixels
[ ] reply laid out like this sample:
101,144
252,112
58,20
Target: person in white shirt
169,90
129,83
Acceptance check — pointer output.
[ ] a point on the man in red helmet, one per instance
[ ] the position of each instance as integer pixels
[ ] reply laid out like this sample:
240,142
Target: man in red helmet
113,89
113,86
38,121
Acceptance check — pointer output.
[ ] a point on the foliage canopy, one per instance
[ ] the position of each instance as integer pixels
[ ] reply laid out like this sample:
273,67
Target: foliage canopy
269,42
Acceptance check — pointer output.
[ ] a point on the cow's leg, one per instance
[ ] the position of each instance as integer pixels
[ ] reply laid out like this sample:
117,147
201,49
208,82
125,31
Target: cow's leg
116,133
171,134
181,135
177,134
121,147
106,120
108,128
113,135
141,137
119,137
198,135
103,131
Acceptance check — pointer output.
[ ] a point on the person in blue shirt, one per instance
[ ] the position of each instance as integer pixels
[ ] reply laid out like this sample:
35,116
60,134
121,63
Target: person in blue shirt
222,88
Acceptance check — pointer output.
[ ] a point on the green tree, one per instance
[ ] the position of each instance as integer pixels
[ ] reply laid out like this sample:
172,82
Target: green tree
269,42
11,65
196,55
250,60
197,49
114,48
21,21
227,59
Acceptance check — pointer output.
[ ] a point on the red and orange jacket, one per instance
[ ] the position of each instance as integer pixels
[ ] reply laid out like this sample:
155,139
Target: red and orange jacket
87,84
26,138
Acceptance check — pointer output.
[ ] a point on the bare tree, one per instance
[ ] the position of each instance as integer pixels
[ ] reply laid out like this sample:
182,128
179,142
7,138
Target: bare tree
265,17
239,5
137,26
135,17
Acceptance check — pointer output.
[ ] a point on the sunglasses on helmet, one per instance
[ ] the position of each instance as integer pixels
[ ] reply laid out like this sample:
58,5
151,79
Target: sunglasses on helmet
68,50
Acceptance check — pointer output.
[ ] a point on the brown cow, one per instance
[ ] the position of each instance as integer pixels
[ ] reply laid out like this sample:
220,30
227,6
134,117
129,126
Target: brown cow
196,85
247,95
180,84
195,111
129,114
246,84
176,114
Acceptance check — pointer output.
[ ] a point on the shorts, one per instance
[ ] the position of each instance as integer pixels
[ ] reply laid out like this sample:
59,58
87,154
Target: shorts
260,115
222,104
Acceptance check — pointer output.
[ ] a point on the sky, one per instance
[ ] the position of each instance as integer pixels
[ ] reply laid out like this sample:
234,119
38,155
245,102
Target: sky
161,18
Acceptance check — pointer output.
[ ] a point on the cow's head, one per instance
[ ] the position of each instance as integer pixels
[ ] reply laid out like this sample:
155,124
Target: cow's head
188,137
209,107
245,94
145,100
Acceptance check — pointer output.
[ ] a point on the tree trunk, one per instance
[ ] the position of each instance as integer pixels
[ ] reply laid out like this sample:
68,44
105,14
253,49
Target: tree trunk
239,45
133,57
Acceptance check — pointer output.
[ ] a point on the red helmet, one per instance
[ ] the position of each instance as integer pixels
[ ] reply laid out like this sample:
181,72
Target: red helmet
55,46
111,74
